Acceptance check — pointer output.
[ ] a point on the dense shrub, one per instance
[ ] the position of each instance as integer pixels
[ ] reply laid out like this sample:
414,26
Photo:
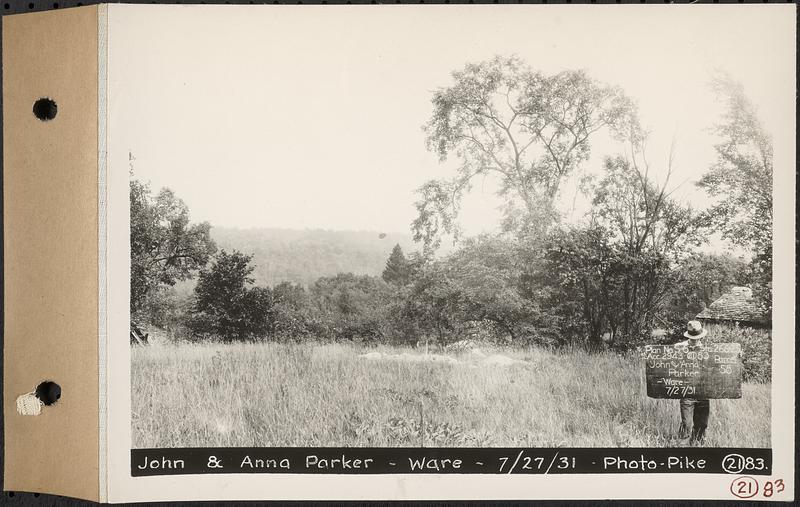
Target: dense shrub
352,307
602,293
224,304
295,316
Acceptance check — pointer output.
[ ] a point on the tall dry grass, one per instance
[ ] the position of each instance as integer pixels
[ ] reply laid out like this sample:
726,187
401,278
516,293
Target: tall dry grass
272,394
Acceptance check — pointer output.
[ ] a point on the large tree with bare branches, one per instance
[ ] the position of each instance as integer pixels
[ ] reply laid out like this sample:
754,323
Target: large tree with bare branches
530,130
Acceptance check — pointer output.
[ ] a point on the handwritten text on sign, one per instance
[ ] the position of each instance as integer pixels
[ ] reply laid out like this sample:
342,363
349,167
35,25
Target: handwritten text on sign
713,370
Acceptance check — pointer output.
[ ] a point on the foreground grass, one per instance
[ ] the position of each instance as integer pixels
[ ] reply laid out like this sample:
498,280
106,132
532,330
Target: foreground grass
325,395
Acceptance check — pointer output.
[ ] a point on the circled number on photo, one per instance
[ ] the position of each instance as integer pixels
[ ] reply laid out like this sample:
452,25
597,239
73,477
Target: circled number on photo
736,463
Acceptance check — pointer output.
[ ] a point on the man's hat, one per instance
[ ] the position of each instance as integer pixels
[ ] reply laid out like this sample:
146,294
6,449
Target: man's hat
694,330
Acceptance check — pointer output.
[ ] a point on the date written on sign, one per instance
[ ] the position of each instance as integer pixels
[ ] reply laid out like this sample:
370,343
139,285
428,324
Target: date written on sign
710,371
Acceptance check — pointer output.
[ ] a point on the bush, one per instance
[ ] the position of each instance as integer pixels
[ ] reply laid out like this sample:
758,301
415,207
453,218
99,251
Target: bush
352,307
225,306
296,318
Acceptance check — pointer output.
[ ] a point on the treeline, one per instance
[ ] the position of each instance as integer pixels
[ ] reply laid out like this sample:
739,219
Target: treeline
302,256
572,288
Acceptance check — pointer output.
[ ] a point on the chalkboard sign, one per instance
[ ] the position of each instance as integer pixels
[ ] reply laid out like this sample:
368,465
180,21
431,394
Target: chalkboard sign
713,370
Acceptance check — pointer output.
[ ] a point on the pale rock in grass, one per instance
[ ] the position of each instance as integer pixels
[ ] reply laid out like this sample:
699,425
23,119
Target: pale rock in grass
409,358
419,358
436,358
462,345
501,360
477,353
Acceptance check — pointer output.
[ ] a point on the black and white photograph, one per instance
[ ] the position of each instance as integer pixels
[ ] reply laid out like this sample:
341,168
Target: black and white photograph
406,228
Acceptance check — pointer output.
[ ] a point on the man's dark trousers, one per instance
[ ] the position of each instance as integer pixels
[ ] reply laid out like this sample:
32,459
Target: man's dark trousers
694,419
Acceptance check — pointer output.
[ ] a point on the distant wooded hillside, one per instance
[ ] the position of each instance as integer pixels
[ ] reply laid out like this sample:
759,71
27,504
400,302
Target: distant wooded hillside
302,256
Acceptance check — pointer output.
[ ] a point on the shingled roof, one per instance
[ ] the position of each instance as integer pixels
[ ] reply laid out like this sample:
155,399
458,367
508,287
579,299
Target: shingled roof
736,305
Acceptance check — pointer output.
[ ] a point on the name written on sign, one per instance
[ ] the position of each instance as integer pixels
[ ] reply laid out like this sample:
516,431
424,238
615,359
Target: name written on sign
710,371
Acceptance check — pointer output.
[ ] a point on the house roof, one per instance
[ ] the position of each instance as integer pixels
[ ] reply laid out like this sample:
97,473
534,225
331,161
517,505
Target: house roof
737,305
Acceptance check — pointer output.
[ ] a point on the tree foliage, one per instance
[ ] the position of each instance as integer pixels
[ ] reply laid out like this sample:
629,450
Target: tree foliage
489,276
500,118
295,315
582,271
352,306
167,309
639,214
613,279
431,303
741,181
165,246
479,287
225,305
397,269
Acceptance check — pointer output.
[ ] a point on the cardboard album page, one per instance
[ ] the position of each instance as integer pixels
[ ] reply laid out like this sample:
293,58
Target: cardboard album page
401,252
51,252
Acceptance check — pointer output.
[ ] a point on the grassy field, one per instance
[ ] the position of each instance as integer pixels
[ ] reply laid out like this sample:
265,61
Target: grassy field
325,395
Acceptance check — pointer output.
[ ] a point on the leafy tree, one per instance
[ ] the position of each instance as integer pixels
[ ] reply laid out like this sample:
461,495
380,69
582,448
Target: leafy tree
482,285
741,180
225,306
433,302
397,270
652,232
500,118
639,213
352,307
488,274
165,246
616,275
582,271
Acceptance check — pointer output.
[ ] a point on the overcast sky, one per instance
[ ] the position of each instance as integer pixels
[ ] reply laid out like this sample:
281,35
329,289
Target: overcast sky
310,117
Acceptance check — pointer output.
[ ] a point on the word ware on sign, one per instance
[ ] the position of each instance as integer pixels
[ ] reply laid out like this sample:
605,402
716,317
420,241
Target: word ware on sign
713,370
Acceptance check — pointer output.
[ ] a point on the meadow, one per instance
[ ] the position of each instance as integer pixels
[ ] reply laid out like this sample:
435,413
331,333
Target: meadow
317,395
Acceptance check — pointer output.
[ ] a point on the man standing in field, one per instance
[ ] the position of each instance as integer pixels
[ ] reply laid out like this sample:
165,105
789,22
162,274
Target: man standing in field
694,412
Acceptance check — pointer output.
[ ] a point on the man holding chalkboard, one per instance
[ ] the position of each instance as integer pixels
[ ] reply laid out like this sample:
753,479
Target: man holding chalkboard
694,412
694,372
